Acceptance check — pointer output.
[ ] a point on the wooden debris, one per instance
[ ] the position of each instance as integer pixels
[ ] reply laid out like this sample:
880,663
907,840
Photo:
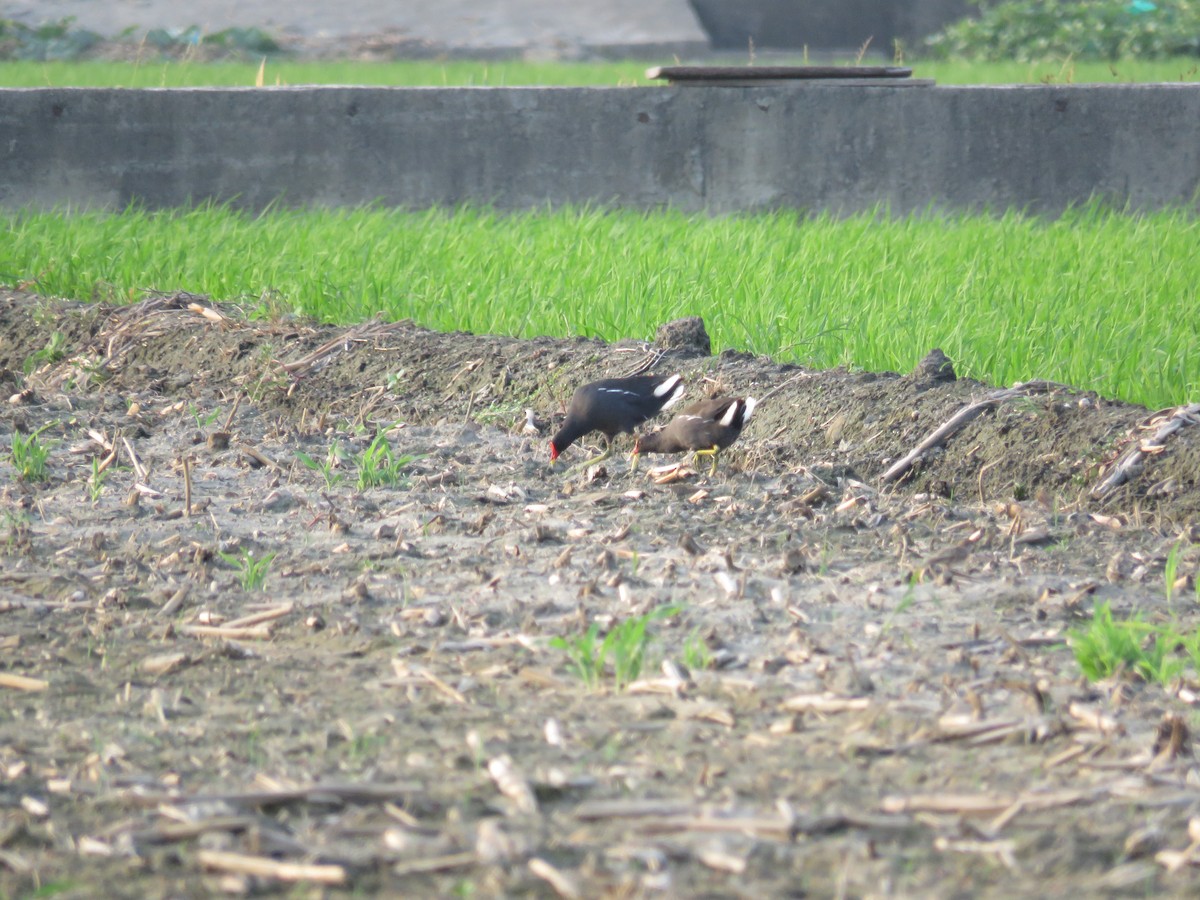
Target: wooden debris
1130,464
266,615
983,804
825,703
1173,860
207,312
22,682
250,633
257,456
372,330
631,809
435,864
722,860
959,421
176,600
138,468
265,867
1004,851
1094,719
332,792
563,885
187,486
164,663
512,784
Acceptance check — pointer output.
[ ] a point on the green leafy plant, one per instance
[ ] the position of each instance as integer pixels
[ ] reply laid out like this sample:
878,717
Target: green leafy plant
252,573
396,381
696,655
1108,646
203,420
1169,571
29,456
95,483
49,41
328,466
1031,30
54,350
623,649
377,465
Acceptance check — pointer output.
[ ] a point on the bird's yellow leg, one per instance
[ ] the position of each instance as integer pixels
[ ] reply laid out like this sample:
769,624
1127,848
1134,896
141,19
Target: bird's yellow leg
608,449
633,461
713,452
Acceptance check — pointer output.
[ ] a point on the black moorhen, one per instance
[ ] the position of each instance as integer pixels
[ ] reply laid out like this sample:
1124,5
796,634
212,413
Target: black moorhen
612,406
706,428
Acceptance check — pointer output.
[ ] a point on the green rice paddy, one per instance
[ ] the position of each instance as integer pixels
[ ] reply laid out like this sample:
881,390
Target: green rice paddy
153,72
1097,299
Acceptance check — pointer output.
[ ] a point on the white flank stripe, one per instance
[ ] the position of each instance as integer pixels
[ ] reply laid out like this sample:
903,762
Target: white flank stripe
618,391
727,419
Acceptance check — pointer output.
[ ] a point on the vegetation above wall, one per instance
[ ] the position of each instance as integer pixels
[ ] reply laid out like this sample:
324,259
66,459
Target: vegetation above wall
1028,30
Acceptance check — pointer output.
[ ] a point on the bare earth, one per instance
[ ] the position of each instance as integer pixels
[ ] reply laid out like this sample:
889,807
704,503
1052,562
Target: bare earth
865,689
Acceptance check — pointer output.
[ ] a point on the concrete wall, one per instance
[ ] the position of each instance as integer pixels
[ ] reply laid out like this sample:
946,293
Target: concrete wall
714,149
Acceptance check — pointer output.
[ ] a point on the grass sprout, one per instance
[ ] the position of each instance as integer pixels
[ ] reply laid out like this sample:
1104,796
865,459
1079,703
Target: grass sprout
328,466
252,573
1108,647
1169,571
54,350
377,465
95,482
696,654
622,650
203,420
29,456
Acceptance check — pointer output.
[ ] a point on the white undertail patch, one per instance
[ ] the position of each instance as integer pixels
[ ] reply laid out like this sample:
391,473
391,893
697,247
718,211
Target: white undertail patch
672,389
750,404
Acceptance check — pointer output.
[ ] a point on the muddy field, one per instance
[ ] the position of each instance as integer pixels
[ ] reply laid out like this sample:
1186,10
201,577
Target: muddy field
853,686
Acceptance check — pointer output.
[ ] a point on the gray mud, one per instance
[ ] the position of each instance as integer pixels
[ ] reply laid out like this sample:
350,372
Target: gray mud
862,690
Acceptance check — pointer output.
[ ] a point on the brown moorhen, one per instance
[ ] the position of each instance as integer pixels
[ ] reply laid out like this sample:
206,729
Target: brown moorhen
612,406
706,428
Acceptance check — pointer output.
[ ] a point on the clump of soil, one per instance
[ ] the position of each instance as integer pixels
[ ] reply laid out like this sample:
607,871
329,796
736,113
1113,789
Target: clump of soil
232,660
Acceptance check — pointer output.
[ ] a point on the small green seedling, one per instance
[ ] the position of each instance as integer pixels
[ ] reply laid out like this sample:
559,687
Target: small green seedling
1108,647
624,647
396,381
328,466
202,420
29,456
696,655
378,466
95,484
1169,571
252,573
51,353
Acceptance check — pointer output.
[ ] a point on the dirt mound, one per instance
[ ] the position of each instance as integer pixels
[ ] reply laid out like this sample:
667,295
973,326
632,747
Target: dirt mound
1050,443
249,636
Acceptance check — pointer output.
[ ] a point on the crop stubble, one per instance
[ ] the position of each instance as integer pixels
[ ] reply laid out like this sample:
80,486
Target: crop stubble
890,707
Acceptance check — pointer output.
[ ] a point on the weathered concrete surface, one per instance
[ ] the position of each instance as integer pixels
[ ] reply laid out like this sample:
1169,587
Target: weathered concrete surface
529,27
714,149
